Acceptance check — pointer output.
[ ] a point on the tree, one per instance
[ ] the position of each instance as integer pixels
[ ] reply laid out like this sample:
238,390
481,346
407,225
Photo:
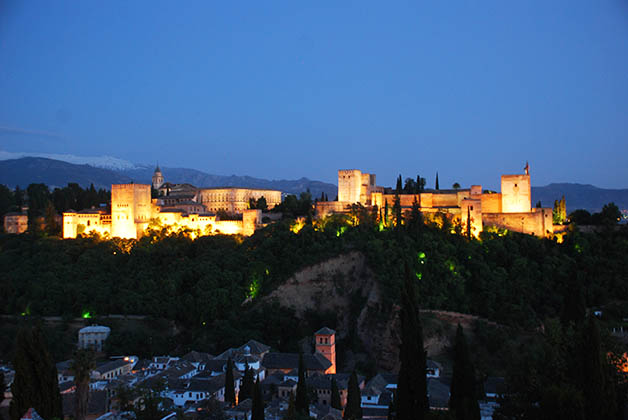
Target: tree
463,398
610,215
410,186
291,411
416,217
353,410
335,395
580,217
411,398
124,396
82,366
35,382
420,182
52,227
436,183
574,305
246,389
257,411
559,213
230,396
302,404
469,222
398,187
148,407
2,387
596,405
455,186
386,212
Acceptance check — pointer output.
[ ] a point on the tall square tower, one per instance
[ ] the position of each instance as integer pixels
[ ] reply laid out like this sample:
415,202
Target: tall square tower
326,345
516,194
349,185
130,207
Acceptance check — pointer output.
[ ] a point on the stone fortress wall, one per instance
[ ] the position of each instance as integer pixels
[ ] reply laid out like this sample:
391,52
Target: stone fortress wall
236,200
133,211
511,209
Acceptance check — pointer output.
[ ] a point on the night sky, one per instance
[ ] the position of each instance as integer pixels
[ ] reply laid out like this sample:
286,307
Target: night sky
470,89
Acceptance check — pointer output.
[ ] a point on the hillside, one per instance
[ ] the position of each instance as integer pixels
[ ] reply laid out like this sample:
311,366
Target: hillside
202,179
580,196
55,173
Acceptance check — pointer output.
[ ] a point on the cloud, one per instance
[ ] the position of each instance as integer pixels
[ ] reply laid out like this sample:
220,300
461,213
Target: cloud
29,132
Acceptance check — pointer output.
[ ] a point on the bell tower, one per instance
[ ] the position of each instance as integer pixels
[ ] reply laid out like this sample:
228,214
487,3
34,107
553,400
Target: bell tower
158,178
326,345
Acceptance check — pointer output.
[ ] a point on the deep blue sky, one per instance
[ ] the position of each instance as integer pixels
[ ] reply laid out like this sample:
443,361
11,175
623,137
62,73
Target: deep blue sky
472,89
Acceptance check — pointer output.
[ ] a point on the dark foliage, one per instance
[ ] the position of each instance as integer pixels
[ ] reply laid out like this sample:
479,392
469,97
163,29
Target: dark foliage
463,400
411,398
353,409
35,382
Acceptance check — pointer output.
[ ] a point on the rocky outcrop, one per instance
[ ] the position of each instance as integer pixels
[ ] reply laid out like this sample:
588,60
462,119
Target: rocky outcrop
346,286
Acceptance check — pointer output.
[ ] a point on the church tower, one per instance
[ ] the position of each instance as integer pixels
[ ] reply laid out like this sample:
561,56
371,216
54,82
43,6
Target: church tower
158,178
326,345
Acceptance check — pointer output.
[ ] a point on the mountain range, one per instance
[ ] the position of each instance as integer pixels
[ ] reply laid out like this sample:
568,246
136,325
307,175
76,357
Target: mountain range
57,173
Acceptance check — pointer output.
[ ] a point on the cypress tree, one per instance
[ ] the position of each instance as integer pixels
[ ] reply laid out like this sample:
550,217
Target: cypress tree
335,395
397,211
246,390
82,366
353,410
416,218
386,212
257,411
593,374
574,306
230,396
437,180
411,399
2,387
399,185
468,222
463,397
391,409
302,404
35,382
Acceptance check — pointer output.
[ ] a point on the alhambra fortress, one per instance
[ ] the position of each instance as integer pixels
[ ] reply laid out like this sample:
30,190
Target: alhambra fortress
133,210
177,206
511,209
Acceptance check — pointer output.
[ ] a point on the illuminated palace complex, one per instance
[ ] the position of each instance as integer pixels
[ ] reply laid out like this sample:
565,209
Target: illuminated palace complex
511,209
177,206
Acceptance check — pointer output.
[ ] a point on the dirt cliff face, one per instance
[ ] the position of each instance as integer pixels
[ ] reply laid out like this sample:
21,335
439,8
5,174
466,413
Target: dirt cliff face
346,286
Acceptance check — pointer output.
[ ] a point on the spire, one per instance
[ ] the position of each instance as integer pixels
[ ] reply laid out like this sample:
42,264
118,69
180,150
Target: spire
527,168
157,168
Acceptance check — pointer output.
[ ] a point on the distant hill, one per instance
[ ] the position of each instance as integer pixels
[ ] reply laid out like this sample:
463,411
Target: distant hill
55,173
579,196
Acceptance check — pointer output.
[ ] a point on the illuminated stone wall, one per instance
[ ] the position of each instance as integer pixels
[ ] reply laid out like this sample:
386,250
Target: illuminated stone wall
516,194
15,223
131,208
471,207
134,210
492,203
537,222
349,185
236,200
325,208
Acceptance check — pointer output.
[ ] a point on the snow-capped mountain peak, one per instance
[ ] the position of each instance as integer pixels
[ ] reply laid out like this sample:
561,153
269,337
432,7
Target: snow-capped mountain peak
105,162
